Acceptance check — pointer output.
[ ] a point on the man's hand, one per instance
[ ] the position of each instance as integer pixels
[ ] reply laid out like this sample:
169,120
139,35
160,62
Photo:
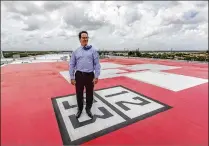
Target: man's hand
95,81
73,82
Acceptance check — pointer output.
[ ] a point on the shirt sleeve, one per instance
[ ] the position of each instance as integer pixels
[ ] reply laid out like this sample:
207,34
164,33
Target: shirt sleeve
72,65
97,65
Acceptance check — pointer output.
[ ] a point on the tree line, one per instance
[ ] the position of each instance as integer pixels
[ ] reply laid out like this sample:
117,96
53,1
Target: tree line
9,54
201,56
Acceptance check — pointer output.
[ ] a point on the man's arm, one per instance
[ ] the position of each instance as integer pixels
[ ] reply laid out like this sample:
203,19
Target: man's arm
97,65
72,65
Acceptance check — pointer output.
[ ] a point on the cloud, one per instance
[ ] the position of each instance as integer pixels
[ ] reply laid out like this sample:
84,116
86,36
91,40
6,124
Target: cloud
54,5
148,25
23,8
33,23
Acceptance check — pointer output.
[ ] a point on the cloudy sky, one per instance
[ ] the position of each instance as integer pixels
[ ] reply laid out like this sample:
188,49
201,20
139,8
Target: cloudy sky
115,25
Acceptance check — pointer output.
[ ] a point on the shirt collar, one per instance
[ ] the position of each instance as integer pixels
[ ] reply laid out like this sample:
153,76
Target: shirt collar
87,47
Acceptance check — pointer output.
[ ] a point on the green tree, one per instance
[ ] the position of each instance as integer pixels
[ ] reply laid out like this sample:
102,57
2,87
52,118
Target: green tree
164,56
130,53
138,54
188,58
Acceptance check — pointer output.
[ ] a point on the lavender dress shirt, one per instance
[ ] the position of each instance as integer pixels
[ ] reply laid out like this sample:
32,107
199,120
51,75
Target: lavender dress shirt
84,60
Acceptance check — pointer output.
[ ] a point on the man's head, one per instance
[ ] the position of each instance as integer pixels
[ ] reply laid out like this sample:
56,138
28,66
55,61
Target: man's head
83,37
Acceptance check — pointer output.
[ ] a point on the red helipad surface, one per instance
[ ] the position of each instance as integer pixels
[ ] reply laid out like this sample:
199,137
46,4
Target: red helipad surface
167,112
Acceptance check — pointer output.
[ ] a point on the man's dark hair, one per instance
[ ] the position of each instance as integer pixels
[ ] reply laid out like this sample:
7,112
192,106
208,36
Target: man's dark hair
79,35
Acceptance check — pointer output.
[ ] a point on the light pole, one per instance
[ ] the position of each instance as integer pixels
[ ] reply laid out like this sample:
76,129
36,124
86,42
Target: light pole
2,55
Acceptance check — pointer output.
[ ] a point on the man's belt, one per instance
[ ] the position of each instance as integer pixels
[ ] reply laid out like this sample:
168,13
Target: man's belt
85,73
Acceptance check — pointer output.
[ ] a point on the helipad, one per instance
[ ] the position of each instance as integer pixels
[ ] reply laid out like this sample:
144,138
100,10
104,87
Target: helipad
136,102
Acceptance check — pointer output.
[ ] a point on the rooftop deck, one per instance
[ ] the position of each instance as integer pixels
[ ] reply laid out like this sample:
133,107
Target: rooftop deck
137,102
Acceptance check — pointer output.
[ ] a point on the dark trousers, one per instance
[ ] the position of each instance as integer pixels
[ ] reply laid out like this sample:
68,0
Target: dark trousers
84,80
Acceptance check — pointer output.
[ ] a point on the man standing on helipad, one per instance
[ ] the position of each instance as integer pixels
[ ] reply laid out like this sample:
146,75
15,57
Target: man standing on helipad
83,63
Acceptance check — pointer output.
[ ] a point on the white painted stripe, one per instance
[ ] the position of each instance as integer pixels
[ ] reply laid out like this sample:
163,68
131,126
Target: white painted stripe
108,73
150,67
105,65
168,81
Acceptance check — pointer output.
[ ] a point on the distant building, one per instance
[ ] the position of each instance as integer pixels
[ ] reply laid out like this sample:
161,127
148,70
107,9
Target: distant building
15,56
2,55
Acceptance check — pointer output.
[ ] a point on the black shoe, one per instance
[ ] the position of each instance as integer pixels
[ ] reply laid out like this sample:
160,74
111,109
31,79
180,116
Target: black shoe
78,114
89,113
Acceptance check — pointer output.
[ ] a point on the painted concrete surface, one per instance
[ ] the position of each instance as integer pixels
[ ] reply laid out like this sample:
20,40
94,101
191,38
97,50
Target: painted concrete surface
155,106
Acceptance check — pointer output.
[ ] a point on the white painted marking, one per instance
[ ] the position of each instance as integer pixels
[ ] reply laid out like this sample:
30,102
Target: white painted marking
110,73
150,67
91,128
105,65
134,110
168,81
107,73
155,77
66,75
108,70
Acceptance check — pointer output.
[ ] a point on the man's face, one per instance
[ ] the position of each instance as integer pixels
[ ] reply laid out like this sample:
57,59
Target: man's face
84,39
